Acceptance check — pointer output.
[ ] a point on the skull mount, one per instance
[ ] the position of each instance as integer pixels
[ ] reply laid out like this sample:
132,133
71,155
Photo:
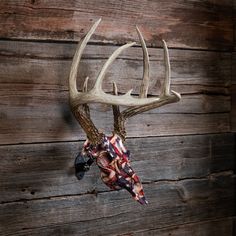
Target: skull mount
109,153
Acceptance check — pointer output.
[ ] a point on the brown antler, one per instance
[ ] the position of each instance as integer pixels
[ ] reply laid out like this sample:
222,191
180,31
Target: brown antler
79,100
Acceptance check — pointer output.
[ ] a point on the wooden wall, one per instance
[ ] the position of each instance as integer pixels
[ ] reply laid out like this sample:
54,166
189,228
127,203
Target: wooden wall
183,152
233,82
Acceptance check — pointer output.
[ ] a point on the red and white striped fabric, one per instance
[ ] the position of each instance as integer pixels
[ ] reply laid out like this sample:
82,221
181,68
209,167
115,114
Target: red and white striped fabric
113,160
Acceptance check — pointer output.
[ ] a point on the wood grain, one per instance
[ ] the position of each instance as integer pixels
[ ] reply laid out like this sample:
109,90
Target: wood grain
107,213
221,227
189,179
233,82
233,110
51,120
184,24
34,91
44,170
192,71
233,94
234,19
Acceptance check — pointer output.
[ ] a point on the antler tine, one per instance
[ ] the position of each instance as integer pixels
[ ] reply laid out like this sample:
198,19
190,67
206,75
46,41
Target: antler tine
85,85
118,124
165,97
146,78
85,89
166,87
115,54
76,59
115,89
81,111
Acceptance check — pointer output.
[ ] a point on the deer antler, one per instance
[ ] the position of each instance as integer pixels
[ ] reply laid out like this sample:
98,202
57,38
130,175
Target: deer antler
81,112
79,100
110,154
165,97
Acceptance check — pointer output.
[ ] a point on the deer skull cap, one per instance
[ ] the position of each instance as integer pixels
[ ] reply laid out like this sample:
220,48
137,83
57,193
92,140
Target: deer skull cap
110,154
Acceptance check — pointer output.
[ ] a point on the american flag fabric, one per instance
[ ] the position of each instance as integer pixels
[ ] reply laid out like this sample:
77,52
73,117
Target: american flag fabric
113,160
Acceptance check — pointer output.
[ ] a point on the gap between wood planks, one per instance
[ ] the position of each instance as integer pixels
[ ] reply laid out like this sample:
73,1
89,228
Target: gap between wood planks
184,224
95,192
151,229
170,226
129,137
102,44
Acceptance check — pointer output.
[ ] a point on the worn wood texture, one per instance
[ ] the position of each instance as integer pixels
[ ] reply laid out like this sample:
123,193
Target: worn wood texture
233,110
233,82
189,179
234,226
221,227
48,119
107,213
40,102
209,228
192,71
187,24
234,20
44,170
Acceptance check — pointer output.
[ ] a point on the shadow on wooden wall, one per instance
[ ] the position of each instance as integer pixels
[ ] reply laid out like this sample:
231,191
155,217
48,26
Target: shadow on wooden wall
184,152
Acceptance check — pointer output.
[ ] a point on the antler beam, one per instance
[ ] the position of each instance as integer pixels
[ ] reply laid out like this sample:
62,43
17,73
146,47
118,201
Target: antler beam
97,95
109,152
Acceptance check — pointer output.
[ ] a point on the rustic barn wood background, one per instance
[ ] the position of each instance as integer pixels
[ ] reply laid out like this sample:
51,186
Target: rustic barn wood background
183,152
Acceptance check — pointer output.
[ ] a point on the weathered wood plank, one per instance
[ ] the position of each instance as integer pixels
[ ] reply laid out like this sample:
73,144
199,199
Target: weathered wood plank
44,170
110,212
234,18
233,94
185,24
18,96
51,120
210,228
221,227
234,228
233,86
192,71
233,108
34,108
34,91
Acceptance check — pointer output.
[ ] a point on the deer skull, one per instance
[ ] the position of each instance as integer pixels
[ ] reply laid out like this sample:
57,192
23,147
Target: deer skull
109,153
